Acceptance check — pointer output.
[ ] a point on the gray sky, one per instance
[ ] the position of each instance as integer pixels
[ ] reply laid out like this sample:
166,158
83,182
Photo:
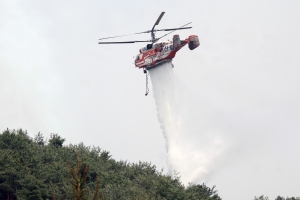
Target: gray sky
241,85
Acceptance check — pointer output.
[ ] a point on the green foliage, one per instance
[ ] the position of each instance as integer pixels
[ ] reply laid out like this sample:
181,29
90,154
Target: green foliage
39,139
33,188
56,140
13,146
261,198
34,169
277,198
288,198
194,192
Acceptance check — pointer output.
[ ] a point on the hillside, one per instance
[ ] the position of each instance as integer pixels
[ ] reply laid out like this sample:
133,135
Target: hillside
33,168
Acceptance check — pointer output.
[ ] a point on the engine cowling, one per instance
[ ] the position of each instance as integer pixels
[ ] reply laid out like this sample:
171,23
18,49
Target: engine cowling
176,41
193,42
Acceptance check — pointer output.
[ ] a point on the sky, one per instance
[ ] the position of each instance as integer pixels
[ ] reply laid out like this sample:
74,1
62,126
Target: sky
240,85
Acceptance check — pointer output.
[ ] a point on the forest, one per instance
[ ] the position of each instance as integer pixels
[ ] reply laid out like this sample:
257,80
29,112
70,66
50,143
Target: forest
35,168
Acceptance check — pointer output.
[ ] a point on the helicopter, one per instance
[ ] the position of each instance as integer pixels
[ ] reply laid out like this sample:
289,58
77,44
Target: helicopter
157,52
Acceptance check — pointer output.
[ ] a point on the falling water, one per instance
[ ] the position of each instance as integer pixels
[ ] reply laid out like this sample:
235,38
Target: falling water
191,162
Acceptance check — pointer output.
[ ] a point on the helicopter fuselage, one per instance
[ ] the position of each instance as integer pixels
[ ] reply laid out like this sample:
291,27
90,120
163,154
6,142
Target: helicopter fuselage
163,51
158,52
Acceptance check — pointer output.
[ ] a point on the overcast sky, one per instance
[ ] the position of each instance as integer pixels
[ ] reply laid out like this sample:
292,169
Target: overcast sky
241,85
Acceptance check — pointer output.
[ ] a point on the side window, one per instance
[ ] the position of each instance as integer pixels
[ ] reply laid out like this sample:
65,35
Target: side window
166,48
171,47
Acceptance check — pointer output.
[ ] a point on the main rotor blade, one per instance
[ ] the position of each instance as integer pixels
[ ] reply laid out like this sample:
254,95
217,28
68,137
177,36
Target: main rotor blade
172,29
158,20
125,42
124,35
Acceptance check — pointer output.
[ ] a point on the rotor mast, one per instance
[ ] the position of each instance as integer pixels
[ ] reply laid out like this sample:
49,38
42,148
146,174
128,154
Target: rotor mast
153,39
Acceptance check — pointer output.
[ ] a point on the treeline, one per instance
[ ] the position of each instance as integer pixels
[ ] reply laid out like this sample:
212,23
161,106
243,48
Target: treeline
262,197
33,168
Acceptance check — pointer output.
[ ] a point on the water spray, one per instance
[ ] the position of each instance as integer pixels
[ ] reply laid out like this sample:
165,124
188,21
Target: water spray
194,160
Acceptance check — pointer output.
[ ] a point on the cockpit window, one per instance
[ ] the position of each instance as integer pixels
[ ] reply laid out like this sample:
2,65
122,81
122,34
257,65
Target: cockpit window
149,46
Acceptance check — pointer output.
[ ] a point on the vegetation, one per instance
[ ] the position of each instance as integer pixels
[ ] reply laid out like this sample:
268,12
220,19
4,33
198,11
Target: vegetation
288,198
262,197
32,168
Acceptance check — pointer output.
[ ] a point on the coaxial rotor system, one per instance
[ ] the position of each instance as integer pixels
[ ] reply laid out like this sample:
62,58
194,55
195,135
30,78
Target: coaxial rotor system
152,32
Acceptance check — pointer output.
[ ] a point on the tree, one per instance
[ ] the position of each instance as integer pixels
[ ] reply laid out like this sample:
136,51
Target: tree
78,181
194,192
33,188
13,148
261,198
56,140
39,139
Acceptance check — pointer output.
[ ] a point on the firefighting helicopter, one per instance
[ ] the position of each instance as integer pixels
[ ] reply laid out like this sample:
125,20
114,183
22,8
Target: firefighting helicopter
157,52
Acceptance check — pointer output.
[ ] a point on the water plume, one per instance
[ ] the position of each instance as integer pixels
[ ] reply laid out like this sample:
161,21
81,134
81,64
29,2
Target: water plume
194,163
